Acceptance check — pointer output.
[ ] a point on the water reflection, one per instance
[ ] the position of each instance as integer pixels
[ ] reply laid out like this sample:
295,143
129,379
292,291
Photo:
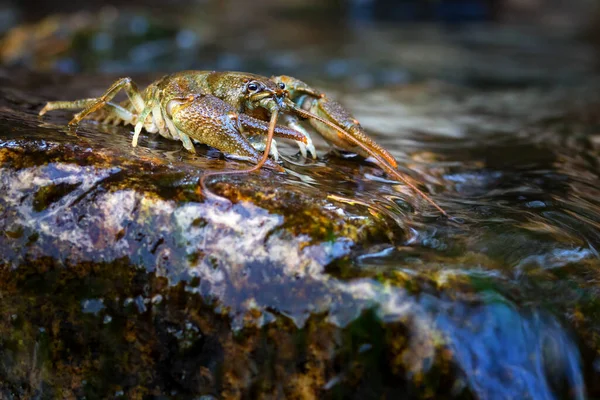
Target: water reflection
506,353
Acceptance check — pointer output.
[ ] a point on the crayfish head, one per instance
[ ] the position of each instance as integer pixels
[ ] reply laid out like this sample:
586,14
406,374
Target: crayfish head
295,87
264,93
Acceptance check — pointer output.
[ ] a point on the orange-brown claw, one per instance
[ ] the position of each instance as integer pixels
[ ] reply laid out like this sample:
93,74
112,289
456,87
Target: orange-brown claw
333,111
340,128
208,119
319,104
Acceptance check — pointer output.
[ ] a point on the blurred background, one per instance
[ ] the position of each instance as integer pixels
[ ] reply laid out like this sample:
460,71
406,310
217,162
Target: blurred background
356,43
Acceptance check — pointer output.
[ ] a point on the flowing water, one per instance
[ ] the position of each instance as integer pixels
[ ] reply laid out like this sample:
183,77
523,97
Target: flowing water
501,124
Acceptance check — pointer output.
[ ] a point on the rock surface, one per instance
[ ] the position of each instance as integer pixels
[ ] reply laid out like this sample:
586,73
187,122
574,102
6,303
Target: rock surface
118,242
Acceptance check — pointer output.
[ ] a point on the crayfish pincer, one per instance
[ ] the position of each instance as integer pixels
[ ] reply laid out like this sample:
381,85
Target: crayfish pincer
224,109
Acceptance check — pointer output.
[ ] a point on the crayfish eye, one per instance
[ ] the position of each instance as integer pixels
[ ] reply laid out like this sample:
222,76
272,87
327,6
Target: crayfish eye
252,86
281,85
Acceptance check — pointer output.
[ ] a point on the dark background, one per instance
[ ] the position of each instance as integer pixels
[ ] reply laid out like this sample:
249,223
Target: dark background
361,43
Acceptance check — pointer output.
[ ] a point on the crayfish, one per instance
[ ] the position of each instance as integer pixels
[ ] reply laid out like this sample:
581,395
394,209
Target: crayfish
226,109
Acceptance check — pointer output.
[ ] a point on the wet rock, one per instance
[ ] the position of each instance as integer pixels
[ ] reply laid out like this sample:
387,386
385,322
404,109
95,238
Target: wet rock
78,202
118,278
102,237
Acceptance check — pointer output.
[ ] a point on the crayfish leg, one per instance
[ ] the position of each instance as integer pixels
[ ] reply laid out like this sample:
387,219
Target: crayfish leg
110,112
258,127
66,105
92,105
259,142
294,123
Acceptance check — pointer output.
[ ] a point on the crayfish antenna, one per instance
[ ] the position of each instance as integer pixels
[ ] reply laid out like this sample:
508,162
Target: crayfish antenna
256,167
382,162
267,150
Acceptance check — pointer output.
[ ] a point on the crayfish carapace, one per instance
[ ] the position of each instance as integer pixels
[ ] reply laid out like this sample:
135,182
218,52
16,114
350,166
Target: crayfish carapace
221,109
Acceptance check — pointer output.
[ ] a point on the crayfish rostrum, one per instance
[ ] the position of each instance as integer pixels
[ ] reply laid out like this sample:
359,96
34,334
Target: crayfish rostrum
228,111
